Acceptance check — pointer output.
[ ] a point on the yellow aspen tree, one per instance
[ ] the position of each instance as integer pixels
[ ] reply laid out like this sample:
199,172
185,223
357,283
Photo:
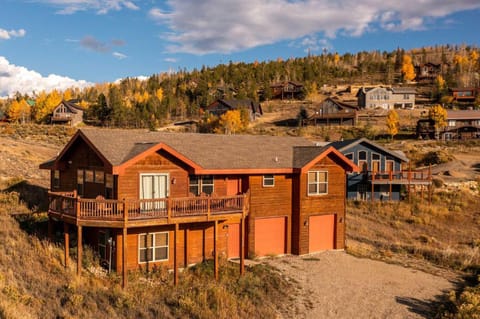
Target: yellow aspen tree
19,111
439,115
67,95
393,122
230,122
408,71
159,94
336,58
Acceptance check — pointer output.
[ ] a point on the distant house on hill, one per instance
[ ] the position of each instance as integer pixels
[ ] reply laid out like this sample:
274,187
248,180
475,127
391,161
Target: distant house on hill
428,71
333,112
466,95
222,106
461,125
68,113
287,90
386,97
381,175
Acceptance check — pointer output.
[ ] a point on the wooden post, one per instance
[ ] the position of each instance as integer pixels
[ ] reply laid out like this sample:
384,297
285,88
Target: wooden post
390,177
373,187
185,240
242,245
124,257
215,249
79,250
66,242
175,257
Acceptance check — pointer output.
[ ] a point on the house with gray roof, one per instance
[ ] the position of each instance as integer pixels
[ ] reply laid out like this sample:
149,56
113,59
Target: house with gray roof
173,199
68,113
387,98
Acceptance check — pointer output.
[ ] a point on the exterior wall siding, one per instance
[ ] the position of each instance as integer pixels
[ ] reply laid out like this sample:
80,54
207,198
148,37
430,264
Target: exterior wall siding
273,201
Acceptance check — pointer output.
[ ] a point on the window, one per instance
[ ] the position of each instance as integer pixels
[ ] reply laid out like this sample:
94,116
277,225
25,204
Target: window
349,156
201,184
317,182
375,162
362,160
268,180
152,247
390,165
99,177
102,244
88,176
109,186
56,179
80,180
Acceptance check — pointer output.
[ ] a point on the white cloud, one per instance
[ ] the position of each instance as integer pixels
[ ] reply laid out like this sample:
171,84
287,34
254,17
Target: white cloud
219,26
15,78
6,35
170,60
119,55
100,6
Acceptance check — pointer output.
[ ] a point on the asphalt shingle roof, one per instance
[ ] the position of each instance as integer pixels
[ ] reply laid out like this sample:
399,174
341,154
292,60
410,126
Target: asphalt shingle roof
209,151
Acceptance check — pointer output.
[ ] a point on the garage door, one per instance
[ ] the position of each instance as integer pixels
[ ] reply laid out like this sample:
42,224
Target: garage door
321,232
233,240
270,236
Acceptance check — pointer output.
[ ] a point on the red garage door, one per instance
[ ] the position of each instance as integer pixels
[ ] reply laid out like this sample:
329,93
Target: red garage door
233,240
321,232
270,236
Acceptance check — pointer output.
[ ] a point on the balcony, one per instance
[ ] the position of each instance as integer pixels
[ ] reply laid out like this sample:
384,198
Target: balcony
101,212
410,177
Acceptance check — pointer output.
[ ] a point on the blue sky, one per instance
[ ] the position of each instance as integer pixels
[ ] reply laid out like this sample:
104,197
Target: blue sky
47,44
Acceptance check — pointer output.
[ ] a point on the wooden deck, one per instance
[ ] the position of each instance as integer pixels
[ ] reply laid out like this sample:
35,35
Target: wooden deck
144,212
410,177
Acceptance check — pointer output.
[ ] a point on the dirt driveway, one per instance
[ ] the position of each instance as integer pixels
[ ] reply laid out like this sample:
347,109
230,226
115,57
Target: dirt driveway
337,285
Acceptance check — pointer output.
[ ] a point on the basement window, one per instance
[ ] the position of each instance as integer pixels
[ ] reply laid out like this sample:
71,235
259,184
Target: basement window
152,247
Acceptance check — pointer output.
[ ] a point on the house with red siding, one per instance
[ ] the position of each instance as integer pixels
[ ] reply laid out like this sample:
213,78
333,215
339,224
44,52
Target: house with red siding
149,199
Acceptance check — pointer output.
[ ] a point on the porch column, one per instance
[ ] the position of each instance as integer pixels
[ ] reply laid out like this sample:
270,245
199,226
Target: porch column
242,245
175,257
79,250
215,249
124,257
185,239
66,243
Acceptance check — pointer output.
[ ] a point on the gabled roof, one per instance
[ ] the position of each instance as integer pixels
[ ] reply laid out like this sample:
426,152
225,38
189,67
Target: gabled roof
234,104
403,90
72,107
343,146
281,84
203,153
340,104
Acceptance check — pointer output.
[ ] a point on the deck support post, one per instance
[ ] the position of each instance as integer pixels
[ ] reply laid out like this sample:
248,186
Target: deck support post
215,249
242,245
124,258
66,243
185,240
79,250
175,255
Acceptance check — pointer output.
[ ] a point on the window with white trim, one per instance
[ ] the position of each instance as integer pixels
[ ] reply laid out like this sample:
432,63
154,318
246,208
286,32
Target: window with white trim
268,180
201,184
152,247
317,182
362,160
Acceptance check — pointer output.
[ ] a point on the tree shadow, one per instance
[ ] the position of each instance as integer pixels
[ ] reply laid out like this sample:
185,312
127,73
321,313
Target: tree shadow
287,123
35,197
439,304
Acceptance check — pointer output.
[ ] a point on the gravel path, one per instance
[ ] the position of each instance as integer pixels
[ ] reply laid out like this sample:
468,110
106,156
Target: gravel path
337,285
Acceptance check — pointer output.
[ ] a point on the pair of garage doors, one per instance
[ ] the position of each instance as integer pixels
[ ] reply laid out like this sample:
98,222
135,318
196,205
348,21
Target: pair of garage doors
271,235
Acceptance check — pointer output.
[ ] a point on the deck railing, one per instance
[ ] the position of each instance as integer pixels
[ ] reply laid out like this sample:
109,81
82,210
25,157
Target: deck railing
139,209
412,176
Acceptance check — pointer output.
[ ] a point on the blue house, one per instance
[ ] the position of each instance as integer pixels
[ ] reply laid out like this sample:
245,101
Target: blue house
381,175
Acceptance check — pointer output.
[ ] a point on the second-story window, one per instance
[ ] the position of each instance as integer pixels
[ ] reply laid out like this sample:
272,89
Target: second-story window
268,180
56,179
201,184
317,183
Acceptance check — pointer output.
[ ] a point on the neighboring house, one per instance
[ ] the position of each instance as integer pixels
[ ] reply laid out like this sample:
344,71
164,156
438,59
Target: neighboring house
466,95
333,112
173,199
287,90
222,106
67,112
461,125
381,175
428,71
386,97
